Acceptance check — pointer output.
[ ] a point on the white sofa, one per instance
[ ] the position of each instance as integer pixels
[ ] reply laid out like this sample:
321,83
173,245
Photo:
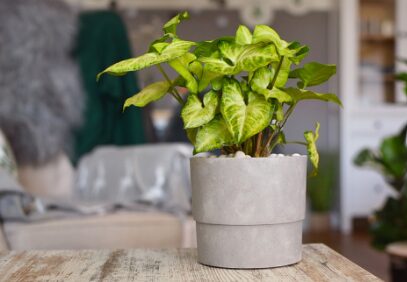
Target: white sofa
122,228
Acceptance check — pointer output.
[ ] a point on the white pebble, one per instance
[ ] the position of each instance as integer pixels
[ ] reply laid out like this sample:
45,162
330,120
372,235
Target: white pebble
231,155
296,155
280,155
248,157
239,154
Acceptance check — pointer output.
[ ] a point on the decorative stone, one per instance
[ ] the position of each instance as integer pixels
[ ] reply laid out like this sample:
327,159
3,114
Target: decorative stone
240,154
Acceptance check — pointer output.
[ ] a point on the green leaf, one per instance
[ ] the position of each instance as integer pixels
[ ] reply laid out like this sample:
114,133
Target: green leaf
256,56
260,80
282,74
393,151
180,65
264,33
230,51
243,121
250,58
195,114
279,112
213,135
299,94
208,48
171,25
206,78
174,50
313,74
149,94
243,35
365,157
311,139
196,68
301,51
191,134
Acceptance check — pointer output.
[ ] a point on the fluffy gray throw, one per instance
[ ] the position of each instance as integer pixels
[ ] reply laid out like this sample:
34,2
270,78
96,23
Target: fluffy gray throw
40,92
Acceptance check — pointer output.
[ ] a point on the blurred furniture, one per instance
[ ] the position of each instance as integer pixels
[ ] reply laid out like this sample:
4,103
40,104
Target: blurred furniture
319,263
127,197
398,261
373,35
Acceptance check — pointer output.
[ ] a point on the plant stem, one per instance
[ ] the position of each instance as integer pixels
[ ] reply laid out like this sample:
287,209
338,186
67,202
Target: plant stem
275,132
172,90
258,144
276,73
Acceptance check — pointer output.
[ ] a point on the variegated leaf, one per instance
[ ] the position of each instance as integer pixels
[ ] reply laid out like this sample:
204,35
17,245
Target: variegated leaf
171,25
260,80
149,94
174,50
243,121
313,155
180,65
195,114
243,35
213,135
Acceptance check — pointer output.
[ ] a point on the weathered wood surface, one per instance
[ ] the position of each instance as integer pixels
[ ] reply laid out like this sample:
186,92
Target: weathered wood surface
319,263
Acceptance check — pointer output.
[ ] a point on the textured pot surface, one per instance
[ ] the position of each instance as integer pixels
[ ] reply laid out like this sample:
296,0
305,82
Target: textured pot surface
249,211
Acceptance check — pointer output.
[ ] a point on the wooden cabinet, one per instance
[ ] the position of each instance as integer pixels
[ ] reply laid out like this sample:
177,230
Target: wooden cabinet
373,34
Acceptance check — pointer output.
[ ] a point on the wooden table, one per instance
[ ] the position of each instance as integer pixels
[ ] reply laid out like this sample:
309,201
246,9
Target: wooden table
319,263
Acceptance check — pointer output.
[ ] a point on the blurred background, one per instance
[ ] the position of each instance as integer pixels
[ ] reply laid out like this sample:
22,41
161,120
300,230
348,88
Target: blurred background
77,172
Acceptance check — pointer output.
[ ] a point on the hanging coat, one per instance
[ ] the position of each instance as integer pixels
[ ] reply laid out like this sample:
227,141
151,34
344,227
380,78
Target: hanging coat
102,41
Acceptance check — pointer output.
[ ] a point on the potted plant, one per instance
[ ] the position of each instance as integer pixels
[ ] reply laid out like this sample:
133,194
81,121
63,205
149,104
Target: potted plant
249,209
389,224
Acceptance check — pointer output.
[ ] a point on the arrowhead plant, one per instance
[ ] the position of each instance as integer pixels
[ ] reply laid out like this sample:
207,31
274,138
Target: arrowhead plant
237,96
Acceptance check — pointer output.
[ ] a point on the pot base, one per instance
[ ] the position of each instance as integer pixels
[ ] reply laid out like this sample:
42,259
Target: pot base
249,246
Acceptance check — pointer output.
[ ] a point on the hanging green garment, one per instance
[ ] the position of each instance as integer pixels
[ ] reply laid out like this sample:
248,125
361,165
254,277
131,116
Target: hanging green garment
102,41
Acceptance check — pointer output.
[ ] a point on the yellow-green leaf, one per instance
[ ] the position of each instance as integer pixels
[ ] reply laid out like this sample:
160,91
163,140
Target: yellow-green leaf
311,139
175,49
213,135
180,65
171,25
243,120
243,35
149,94
299,94
195,114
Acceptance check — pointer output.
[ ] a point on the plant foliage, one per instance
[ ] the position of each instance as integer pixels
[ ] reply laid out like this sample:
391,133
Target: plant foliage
390,222
238,99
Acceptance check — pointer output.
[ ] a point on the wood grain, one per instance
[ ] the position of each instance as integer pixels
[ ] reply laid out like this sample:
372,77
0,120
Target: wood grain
319,263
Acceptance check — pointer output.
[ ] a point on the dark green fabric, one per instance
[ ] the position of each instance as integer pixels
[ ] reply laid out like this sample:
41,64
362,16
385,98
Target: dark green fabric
102,41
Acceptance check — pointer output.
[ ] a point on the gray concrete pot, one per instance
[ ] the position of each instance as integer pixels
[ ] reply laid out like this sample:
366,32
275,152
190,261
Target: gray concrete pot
249,211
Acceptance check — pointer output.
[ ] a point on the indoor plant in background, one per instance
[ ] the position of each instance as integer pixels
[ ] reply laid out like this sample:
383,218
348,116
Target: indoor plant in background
249,209
320,190
389,224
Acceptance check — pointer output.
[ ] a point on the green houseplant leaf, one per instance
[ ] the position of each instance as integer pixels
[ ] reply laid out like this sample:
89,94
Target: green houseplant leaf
172,24
150,93
195,114
299,94
313,74
243,35
311,139
213,135
174,50
243,120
